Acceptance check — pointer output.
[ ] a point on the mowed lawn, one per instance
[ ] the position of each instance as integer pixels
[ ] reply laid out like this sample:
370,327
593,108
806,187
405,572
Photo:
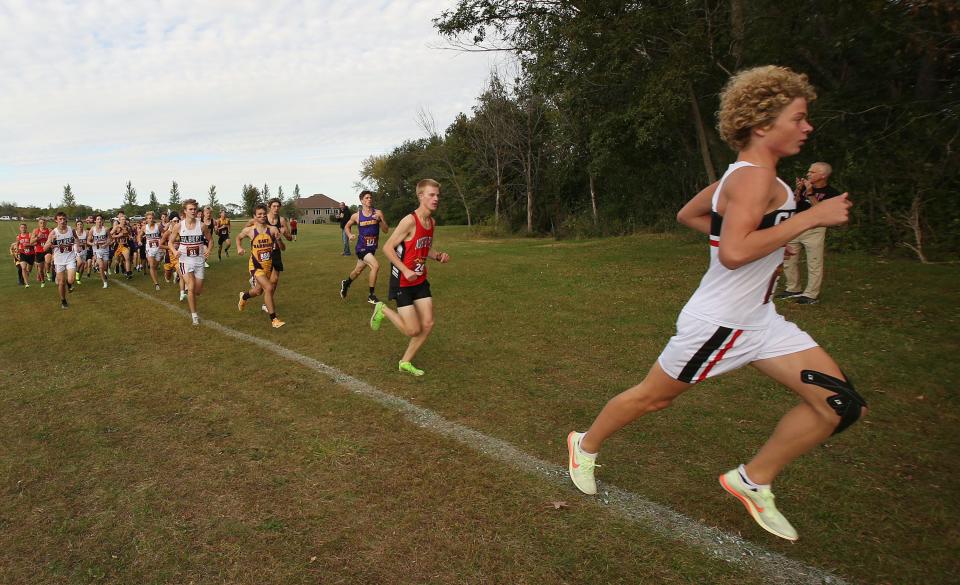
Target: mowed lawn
137,449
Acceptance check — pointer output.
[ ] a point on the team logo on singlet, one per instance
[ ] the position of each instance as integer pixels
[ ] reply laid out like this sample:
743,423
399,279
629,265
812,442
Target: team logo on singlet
423,242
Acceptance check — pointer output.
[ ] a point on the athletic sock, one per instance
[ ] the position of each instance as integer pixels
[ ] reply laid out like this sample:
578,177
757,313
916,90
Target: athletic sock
371,289
591,456
746,479
273,316
246,296
194,315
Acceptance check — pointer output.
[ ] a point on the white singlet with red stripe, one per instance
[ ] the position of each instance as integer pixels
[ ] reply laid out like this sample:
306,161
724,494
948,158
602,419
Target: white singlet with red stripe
740,298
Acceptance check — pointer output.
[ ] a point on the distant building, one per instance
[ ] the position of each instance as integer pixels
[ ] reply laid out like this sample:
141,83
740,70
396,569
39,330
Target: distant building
317,209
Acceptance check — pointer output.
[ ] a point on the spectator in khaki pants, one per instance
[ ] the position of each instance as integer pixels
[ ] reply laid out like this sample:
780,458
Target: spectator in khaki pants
811,190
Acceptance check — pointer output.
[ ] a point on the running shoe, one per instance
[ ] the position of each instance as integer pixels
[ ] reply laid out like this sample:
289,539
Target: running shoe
105,285
277,323
581,465
344,287
264,309
79,281
410,369
241,303
195,319
26,285
803,300
69,288
64,305
156,286
760,505
183,295
785,294
43,284
372,299
206,264
377,316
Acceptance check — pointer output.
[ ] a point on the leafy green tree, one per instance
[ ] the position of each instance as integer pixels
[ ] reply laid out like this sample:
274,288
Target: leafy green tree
250,197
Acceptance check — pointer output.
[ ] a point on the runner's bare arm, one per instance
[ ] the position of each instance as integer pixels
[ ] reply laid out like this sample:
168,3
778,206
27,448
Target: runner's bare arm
208,237
696,213
745,199
346,228
278,239
243,233
285,230
405,229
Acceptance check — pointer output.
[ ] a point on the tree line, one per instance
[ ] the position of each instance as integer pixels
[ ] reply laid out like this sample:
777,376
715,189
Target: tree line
606,124
250,196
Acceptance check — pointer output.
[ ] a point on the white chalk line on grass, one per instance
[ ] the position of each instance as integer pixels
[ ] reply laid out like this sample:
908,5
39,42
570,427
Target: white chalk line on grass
773,567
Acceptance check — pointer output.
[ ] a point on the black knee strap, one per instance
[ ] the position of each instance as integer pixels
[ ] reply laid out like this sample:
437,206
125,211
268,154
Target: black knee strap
846,402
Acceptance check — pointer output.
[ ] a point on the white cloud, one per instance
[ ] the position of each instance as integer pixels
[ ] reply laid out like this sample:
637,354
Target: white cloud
225,93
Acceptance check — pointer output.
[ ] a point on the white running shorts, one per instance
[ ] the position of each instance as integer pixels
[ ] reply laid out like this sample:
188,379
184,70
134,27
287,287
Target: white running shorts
702,350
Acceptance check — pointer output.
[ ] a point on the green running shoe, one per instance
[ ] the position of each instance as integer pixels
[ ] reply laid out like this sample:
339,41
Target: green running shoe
581,465
408,367
377,317
760,505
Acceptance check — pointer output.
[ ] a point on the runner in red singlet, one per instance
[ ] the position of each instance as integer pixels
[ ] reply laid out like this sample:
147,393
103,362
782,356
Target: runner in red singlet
25,252
40,256
408,250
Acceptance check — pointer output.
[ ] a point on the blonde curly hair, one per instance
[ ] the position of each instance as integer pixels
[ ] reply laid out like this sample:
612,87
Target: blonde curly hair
755,97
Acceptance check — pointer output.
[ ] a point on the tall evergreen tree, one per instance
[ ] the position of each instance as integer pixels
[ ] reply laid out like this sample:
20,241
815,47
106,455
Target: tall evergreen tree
250,197
154,205
130,199
175,196
69,202
212,201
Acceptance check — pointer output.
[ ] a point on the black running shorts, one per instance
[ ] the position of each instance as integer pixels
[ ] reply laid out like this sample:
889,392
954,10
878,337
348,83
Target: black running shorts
405,295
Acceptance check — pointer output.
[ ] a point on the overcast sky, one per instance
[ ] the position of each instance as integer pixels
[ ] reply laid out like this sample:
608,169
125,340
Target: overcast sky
216,92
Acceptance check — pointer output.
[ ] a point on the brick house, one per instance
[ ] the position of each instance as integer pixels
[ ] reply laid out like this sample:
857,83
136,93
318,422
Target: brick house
317,209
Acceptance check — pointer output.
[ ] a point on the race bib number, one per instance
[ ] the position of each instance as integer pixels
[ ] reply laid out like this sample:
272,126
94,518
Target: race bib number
152,243
193,251
371,241
419,265
64,249
264,255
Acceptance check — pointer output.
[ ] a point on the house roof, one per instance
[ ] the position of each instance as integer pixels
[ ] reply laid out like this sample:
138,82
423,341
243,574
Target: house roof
318,201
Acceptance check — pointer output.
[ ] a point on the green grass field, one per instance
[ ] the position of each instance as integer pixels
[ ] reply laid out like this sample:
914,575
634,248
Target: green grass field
137,449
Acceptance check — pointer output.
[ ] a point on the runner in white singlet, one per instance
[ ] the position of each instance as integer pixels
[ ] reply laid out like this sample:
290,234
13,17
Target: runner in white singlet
729,321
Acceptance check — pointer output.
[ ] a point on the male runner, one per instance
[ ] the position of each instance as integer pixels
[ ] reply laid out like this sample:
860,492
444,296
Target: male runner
135,262
408,250
280,224
263,239
370,222
149,240
15,255
81,233
40,257
187,249
730,320
223,235
170,268
210,224
293,228
121,236
24,253
99,241
63,244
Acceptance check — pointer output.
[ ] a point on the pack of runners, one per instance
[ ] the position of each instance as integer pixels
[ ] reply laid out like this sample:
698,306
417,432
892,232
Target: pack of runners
749,216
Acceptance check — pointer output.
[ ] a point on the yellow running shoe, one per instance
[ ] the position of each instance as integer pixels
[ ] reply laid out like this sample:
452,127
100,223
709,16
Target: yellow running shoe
377,317
760,505
277,323
581,465
409,368
241,303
